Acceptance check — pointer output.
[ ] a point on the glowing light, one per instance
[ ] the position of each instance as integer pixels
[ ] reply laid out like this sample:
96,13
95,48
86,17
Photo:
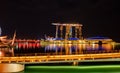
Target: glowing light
77,67
1,54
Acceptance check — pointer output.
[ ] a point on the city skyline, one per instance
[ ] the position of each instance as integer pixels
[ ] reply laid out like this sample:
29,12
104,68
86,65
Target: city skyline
33,19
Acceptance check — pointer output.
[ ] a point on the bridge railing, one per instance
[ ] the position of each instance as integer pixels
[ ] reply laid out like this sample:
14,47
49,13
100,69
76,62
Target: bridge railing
58,58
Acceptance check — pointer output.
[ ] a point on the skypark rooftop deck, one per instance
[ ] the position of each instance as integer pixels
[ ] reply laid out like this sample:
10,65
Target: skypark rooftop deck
67,24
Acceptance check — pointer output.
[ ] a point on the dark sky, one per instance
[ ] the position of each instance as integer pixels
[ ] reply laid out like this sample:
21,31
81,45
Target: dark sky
33,18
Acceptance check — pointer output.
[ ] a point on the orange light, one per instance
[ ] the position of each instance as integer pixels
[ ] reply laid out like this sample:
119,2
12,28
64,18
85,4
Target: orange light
1,53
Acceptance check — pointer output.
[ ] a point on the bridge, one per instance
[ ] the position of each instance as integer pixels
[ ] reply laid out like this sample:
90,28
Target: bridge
61,58
16,64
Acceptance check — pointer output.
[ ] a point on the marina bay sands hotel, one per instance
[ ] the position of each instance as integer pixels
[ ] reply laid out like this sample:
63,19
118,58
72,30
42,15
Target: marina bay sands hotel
72,33
69,29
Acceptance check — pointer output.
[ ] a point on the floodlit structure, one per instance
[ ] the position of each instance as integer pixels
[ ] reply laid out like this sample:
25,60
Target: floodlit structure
72,33
68,30
98,39
4,42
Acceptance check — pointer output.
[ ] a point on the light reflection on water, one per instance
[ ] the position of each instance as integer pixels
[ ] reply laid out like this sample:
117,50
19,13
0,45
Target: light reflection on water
68,49
62,49
78,47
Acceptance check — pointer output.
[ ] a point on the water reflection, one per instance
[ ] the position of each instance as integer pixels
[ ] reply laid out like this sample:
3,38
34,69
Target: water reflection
68,49
77,48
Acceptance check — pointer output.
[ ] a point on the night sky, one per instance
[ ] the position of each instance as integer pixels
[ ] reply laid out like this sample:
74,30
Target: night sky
33,18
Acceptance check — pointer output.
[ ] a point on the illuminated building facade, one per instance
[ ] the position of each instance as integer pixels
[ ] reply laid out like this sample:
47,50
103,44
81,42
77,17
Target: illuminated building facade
71,30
